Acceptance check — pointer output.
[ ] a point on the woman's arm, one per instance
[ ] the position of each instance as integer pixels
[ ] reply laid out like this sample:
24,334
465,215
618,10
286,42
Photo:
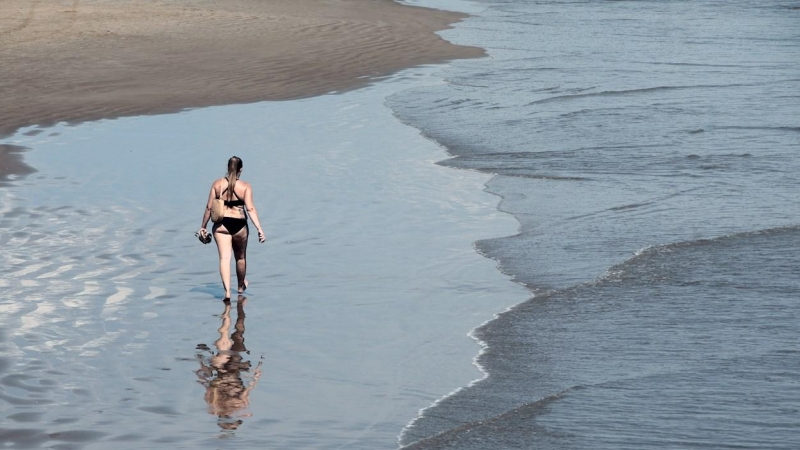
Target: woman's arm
207,213
251,211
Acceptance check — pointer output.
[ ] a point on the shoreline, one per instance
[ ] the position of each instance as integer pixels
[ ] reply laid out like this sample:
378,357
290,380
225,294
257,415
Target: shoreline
92,61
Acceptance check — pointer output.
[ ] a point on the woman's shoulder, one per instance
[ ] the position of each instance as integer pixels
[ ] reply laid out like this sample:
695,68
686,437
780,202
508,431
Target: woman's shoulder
243,184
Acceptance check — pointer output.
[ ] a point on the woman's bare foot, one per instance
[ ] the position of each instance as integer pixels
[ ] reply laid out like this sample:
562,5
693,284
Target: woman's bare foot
244,287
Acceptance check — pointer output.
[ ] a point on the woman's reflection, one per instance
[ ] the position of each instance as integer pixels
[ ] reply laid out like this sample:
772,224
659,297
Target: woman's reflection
221,373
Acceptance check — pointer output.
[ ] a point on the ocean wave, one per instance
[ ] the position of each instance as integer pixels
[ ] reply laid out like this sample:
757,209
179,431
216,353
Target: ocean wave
626,92
618,271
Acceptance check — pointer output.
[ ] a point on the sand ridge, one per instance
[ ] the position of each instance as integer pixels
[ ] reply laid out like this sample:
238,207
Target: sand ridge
78,60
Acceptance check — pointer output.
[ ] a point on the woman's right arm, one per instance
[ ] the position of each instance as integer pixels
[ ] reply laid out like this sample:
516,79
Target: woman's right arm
207,213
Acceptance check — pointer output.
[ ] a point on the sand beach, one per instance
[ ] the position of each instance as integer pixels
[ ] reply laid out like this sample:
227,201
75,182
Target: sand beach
78,60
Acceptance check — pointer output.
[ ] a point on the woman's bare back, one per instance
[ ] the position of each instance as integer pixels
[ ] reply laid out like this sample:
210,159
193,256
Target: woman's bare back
240,191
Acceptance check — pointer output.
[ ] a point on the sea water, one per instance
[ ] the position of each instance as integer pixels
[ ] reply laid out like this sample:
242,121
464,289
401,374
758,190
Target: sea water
649,151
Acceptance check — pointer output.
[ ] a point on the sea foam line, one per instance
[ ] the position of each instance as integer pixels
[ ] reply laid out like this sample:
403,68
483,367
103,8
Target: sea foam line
483,348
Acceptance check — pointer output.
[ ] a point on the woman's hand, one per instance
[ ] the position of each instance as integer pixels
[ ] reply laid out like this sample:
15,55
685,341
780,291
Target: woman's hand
203,235
261,237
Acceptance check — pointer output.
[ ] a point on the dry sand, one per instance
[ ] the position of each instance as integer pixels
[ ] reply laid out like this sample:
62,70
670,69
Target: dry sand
79,60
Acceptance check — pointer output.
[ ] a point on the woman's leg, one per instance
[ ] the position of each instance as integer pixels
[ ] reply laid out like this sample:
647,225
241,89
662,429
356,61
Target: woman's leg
224,246
239,243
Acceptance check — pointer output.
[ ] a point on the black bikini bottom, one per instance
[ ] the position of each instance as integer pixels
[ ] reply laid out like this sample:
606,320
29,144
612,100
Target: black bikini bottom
233,225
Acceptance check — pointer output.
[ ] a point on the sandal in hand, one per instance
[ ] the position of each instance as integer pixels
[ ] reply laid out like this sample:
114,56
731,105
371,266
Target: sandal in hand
203,236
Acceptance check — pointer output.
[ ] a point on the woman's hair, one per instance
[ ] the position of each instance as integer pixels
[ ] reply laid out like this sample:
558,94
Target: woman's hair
234,166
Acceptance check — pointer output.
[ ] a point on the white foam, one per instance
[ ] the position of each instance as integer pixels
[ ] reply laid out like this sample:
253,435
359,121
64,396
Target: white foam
29,269
9,309
116,300
120,296
91,348
56,272
94,274
155,292
37,317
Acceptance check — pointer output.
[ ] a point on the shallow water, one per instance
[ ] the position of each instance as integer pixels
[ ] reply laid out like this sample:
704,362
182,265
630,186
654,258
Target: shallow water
113,332
649,151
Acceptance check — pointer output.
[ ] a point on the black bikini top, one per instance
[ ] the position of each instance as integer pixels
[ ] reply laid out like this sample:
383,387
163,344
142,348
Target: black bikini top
232,203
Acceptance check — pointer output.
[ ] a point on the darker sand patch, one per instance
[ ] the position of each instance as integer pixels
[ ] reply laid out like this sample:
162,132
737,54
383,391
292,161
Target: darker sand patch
11,163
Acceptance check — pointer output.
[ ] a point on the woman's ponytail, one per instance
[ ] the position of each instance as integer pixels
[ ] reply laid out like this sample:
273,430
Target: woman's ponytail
234,167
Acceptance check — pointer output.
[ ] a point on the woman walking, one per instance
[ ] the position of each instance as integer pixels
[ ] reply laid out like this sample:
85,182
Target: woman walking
231,232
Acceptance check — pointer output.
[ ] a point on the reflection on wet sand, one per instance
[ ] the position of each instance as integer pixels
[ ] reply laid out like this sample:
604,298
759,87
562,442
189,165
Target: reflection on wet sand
221,373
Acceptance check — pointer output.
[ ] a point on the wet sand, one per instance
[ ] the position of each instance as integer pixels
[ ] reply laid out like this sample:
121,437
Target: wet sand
11,163
359,304
81,60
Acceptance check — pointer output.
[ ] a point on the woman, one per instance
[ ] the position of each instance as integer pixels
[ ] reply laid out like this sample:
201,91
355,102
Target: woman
232,231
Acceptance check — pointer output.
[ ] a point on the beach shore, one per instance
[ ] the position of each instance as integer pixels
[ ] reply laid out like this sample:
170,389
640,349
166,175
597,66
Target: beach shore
81,60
